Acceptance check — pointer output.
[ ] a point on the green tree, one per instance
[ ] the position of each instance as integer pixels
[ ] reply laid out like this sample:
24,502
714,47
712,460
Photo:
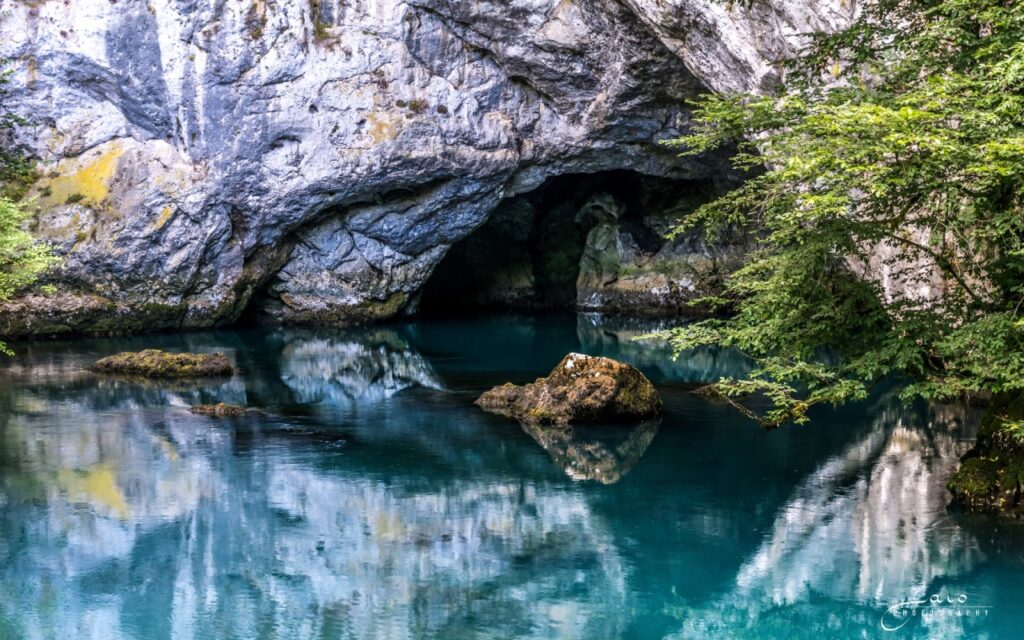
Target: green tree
22,259
894,153
16,171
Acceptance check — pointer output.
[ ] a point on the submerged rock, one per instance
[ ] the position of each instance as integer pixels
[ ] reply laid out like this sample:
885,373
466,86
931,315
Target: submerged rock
154,363
991,478
580,389
219,410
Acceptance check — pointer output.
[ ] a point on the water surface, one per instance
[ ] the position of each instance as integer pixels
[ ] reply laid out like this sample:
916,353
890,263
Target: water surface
371,499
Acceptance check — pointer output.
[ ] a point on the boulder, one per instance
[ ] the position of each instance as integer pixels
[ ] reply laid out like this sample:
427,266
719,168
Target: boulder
580,389
153,363
219,410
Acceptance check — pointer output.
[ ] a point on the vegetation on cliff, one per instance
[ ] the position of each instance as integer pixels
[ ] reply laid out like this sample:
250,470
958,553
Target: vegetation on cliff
16,171
22,259
890,212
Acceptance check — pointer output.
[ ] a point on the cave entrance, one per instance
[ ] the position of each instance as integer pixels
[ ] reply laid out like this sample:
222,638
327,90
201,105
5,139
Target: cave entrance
579,241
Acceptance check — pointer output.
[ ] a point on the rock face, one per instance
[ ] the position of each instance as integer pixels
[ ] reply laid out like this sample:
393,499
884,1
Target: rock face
327,154
579,389
629,265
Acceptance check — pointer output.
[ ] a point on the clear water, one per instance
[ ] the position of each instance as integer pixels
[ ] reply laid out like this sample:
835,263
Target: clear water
371,499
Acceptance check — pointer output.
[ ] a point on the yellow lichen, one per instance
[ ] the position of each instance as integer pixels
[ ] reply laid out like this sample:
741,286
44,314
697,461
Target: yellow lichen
88,176
381,128
165,215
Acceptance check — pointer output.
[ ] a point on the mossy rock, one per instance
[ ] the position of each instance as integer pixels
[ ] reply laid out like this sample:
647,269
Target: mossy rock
991,477
580,388
153,363
219,410
975,483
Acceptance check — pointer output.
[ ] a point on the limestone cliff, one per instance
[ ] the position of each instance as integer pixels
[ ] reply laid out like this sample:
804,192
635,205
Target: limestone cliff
329,152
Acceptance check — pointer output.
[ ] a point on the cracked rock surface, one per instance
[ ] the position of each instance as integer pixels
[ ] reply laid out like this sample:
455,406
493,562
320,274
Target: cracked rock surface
328,153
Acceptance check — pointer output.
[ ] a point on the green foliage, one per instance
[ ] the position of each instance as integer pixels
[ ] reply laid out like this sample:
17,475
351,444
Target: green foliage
894,155
417,106
17,173
22,259
321,30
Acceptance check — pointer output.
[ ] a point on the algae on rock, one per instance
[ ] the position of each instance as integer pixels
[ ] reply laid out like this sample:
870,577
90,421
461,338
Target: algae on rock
991,477
153,363
219,410
580,388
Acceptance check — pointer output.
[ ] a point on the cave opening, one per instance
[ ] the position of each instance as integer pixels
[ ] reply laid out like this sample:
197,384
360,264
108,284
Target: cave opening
594,241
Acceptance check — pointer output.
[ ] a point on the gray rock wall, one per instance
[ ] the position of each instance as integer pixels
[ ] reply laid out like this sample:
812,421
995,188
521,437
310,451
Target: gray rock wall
192,152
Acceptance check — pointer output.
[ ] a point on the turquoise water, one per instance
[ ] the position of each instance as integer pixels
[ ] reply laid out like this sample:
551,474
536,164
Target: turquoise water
371,499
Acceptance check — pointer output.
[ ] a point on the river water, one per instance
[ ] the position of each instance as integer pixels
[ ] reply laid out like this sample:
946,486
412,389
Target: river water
370,499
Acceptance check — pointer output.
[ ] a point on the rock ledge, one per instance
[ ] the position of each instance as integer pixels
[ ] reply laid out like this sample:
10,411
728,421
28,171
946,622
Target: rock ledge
153,363
219,410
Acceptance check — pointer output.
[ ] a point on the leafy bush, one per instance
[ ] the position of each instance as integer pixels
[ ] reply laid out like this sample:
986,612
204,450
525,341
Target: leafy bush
22,259
895,156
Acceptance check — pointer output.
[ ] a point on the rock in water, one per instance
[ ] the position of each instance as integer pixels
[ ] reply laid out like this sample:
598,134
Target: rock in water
153,363
580,389
219,410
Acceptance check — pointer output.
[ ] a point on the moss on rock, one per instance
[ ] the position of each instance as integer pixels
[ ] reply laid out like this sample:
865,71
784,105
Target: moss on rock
219,410
153,363
580,389
991,477
65,313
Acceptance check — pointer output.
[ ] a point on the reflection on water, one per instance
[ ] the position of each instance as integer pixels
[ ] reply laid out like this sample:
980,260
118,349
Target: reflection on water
593,452
368,367
600,335
372,500
885,494
868,526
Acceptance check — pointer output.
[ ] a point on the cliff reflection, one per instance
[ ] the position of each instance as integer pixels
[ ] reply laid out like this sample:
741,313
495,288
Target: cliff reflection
347,369
869,527
594,452
616,338
364,502
125,516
